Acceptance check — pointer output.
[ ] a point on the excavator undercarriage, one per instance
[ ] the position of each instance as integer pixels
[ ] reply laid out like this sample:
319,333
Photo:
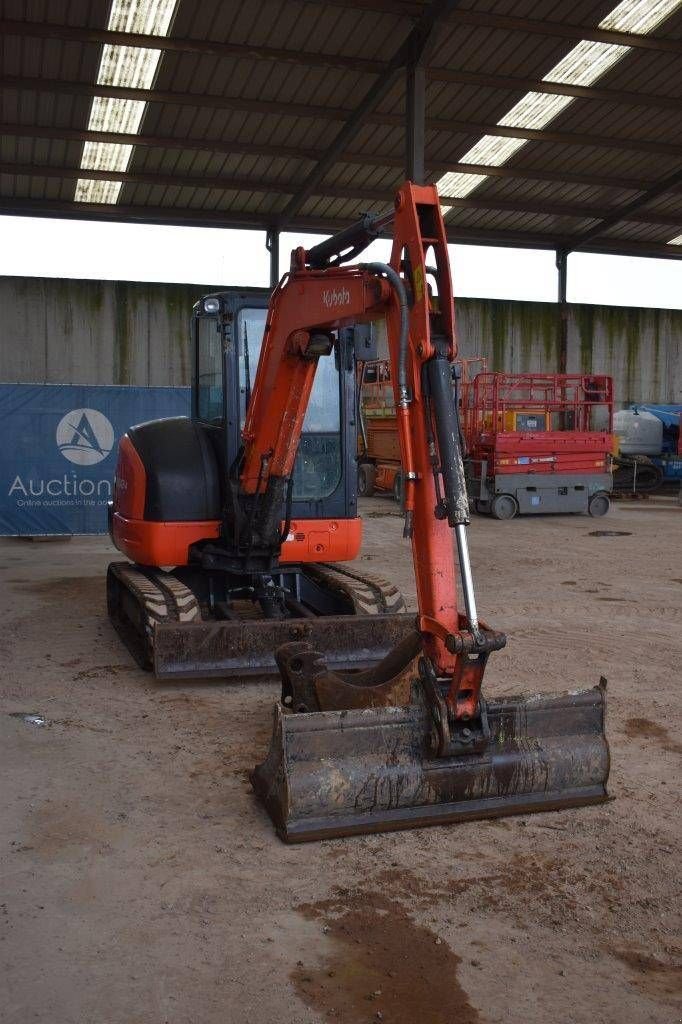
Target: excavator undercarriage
178,631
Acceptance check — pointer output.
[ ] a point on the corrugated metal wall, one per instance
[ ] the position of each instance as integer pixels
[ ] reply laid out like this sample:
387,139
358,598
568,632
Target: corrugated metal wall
91,332
95,332
640,348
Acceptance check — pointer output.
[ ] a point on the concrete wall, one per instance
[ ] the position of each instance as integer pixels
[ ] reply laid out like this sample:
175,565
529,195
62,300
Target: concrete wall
95,332
92,332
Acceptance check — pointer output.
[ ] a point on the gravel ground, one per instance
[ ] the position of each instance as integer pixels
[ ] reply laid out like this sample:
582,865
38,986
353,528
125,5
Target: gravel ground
143,884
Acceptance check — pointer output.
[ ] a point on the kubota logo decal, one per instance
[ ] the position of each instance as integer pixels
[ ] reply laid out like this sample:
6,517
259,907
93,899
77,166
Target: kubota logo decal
336,297
85,436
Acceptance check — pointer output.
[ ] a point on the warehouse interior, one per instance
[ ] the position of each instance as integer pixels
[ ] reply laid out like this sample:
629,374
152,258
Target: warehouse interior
144,880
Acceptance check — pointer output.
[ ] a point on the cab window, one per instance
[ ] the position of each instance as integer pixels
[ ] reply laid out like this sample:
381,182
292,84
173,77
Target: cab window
317,471
209,370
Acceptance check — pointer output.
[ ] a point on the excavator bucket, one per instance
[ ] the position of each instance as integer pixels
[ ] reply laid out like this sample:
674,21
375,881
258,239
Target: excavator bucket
362,758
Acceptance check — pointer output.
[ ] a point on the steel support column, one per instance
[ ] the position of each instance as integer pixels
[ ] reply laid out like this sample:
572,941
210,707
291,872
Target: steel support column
562,339
415,122
272,245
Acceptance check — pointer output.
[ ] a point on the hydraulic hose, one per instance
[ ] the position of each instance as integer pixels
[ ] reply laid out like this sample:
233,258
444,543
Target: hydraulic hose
398,286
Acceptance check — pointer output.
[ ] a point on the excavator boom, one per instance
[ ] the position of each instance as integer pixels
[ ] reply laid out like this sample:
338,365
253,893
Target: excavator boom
412,740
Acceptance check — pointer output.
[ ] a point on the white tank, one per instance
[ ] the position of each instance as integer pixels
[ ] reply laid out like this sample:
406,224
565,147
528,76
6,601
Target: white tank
639,433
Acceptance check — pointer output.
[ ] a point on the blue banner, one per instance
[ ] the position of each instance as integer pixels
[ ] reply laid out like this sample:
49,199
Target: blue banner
58,451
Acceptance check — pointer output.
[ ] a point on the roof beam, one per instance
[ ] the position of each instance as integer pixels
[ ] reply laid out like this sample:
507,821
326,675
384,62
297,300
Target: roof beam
481,19
349,116
237,147
227,183
633,208
185,99
229,219
561,30
562,138
575,210
410,51
203,47
591,92
538,240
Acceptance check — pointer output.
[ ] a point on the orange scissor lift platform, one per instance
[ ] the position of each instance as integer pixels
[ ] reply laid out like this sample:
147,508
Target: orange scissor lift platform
539,442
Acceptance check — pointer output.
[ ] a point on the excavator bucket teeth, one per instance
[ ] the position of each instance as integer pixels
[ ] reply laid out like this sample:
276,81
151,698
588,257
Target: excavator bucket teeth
338,773
244,649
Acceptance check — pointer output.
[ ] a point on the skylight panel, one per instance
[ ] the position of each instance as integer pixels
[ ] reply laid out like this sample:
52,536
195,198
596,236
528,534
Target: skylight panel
492,150
109,114
89,191
535,110
639,16
148,17
458,186
583,65
106,156
131,67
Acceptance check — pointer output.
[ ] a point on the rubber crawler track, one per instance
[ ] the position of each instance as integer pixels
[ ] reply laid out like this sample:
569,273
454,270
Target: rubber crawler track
139,597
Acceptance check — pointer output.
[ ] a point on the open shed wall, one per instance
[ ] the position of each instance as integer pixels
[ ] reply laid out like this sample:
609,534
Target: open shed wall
118,332
640,348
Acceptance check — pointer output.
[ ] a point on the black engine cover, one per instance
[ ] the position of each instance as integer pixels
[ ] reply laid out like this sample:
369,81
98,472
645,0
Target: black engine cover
183,478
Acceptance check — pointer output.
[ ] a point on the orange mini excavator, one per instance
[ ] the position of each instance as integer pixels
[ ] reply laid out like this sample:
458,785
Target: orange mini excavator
407,740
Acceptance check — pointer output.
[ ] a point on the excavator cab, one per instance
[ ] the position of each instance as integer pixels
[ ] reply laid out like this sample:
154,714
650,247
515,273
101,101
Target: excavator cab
192,602
227,330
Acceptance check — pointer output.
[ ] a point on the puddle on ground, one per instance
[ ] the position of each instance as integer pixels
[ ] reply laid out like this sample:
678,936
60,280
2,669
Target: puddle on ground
645,729
29,717
378,965
610,533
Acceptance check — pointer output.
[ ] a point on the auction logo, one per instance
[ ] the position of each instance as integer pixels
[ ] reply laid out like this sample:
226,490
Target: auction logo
85,436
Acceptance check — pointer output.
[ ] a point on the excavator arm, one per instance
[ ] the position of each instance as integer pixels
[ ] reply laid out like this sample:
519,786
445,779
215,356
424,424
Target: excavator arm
411,741
414,295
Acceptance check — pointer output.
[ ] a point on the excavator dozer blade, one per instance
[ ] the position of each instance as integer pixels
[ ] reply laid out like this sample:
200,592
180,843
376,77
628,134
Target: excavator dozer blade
338,773
246,649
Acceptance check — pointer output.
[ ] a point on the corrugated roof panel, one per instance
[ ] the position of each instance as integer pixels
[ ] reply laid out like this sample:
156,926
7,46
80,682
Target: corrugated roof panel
639,233
307,27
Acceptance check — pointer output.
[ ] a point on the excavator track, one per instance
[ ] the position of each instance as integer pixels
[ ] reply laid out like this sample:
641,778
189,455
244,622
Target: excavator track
163,626
138,599
370,594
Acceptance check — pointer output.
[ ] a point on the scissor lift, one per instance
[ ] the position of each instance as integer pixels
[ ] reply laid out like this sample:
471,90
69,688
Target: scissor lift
539,443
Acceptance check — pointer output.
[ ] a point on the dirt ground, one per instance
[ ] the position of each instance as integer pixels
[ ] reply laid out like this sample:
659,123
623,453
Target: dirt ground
143,884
